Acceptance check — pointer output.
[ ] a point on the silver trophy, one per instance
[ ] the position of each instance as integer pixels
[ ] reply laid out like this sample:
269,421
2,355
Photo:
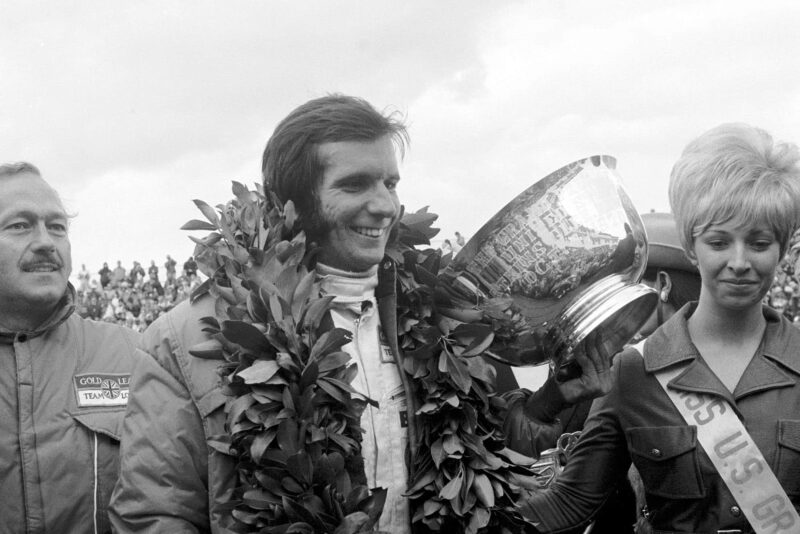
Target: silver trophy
570,251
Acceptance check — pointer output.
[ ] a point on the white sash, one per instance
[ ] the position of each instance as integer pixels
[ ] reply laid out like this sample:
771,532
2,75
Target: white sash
735,456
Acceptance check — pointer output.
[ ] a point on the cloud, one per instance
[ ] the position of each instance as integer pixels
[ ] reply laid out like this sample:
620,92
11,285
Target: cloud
133,109
635,81
141,84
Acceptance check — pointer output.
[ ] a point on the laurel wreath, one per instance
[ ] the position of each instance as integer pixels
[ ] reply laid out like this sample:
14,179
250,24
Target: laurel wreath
293,417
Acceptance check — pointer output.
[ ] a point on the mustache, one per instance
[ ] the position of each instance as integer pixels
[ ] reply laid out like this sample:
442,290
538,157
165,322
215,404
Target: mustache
42,260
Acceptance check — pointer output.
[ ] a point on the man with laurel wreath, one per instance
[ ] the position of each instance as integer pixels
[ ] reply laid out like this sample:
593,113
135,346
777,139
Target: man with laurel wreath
335,159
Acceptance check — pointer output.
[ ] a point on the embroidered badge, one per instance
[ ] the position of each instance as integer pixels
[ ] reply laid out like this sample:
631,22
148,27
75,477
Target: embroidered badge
102,389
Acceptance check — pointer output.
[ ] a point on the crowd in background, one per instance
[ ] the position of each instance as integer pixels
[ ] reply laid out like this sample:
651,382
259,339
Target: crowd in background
137,296
784,295
134,297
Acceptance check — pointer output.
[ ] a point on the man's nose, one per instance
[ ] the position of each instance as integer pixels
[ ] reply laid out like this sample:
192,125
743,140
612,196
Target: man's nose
382,202
42,238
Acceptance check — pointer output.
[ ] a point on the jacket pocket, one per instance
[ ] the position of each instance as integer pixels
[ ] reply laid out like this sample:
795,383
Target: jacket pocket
666,457
103,427
788,463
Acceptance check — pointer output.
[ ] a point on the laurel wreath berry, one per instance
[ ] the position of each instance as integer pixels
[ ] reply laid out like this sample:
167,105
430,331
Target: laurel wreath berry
293,417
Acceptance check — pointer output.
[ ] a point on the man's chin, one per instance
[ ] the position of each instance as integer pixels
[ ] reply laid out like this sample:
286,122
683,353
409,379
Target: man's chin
362,261
44,294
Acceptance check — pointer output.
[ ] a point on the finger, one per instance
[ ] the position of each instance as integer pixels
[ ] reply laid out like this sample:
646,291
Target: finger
594,357
582,357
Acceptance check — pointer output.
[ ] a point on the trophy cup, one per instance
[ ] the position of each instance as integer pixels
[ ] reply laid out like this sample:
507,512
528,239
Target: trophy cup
570,251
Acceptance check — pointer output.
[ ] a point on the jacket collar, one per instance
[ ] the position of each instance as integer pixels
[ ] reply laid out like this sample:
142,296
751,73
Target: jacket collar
775,365
387,274
62,312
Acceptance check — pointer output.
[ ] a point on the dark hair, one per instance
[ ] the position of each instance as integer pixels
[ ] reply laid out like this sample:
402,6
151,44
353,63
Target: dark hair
291,166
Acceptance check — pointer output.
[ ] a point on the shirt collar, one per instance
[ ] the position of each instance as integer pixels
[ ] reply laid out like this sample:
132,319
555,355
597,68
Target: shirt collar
346,286
671,345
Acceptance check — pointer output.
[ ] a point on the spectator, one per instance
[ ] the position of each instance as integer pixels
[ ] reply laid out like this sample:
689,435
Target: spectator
94,310
152,288
459,243
83,279
118,275
447,247
153,269
190,268
136,276
169,267
105,275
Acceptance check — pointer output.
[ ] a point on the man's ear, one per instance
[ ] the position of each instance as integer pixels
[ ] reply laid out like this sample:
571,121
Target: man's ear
665,286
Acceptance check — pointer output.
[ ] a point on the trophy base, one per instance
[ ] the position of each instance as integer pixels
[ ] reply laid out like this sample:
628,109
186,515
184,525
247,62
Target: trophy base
614,306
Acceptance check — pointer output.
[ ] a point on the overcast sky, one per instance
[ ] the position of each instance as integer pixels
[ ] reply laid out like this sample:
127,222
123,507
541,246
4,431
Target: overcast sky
132,109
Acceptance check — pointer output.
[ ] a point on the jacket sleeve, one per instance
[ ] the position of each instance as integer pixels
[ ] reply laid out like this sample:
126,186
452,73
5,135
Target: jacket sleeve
598,463
163,479
531,425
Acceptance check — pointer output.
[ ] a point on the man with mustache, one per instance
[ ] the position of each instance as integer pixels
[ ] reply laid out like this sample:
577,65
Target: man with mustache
65,379
335,158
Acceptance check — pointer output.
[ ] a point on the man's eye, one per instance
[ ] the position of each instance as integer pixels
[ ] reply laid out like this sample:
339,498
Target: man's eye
18,226
391,185
58,228
352,186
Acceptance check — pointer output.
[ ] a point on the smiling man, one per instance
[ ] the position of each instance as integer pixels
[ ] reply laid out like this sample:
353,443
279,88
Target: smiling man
358,203
335,158
64,378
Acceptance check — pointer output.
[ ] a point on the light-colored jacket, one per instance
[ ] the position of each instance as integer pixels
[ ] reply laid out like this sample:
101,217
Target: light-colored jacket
171,480
62,394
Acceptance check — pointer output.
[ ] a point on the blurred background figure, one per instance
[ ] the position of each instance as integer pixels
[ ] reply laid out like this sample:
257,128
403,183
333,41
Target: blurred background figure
459,243
153,269
83,279
190,268
169,268
118,274
447,247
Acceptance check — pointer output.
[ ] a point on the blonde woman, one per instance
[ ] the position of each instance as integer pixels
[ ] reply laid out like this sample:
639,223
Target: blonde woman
735,195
